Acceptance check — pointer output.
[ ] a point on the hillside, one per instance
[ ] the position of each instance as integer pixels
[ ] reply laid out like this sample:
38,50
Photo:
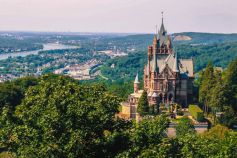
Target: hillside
182,38
141,41
206,38
202,47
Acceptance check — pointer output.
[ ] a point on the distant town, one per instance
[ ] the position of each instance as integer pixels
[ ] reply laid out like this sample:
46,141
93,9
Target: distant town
53,53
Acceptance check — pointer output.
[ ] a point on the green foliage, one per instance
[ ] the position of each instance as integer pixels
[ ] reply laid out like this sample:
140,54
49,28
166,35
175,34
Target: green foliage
196,112
221,54
117,88
151,110
11,93
228,118
5,155
218,93
217,131
125,67
143,105
184,127
167,148
231,84
187,145
218,97
148,132
61,118
180,113
207,83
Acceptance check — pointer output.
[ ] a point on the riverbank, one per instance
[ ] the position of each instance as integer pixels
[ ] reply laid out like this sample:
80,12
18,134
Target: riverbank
47,46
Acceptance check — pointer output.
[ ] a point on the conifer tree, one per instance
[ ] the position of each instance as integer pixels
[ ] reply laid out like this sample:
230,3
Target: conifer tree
218,96
152,110
143,105
231,84
207,83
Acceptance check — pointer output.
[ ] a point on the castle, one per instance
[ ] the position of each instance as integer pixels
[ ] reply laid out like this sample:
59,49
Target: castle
167,79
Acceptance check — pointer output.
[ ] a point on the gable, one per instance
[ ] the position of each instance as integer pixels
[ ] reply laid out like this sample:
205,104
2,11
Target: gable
166,72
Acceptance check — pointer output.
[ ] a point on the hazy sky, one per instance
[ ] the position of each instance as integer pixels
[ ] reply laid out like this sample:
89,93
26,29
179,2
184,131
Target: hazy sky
139,16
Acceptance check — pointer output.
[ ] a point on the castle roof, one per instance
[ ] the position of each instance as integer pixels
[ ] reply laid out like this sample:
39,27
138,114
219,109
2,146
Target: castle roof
185,66
161,59
176,62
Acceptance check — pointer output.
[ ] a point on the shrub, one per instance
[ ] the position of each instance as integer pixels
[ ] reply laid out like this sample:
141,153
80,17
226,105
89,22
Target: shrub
196,112
180,113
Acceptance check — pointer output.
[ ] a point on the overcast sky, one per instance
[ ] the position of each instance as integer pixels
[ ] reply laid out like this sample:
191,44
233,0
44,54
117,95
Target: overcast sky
135,16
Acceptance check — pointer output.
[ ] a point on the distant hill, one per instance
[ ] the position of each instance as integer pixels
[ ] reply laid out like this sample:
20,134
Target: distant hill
141,41
202,47
182,38
206,38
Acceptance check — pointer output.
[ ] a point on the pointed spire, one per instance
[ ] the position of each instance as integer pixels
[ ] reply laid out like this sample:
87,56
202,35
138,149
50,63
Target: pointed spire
176,64
162,13
162,27
136,79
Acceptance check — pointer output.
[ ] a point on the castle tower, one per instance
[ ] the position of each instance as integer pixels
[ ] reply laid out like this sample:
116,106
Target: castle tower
155,68
136,84
167,79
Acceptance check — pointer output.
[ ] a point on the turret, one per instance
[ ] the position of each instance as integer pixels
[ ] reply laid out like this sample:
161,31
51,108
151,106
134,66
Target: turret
155,67
136,84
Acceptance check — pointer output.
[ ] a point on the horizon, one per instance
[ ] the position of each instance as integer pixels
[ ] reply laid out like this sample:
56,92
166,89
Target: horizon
116,16
94,33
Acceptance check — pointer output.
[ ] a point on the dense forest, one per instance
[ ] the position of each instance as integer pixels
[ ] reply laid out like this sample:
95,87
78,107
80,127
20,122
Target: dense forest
56,116
220,54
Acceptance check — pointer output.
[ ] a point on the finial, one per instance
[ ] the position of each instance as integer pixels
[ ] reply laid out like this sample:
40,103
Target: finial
162,14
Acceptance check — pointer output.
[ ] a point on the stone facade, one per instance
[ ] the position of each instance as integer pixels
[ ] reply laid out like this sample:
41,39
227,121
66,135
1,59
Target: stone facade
167,79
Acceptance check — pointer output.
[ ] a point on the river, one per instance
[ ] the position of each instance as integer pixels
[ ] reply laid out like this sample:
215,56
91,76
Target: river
48,46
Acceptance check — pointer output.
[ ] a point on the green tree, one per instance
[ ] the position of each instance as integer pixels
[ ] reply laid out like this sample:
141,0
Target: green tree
59,118
184,127
11,93
228,118
149,132
218,97
231,84
143,105
218,131
207,83
167,148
